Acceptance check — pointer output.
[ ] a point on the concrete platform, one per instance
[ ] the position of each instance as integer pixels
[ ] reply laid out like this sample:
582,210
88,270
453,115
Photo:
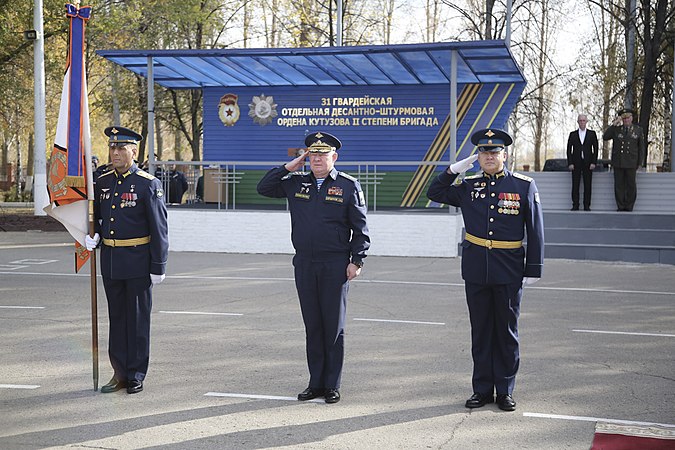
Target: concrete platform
228,357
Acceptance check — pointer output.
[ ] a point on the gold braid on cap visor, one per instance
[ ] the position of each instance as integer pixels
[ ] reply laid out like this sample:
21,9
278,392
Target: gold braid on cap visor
320,147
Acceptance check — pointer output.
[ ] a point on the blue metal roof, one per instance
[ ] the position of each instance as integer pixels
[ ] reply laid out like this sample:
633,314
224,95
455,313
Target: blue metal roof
375,65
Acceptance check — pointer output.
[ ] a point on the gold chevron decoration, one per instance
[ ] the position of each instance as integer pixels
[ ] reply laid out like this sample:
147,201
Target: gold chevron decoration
438,146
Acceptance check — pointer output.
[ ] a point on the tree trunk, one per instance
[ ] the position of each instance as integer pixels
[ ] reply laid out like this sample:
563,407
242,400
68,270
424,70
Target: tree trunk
653,44
195,108
305,25
388,19
608,69
247,20
159,150
177,145
541,73
489,7
142,87
30,169
431,10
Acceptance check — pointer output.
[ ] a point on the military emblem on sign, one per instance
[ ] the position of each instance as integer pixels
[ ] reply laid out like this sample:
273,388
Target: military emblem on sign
228,109
262,109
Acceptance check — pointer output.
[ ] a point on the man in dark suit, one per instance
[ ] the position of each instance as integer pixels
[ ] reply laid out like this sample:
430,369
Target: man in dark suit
582,156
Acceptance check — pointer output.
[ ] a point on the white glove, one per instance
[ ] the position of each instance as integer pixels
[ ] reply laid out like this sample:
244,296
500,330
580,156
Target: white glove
530,280
91,242
463,165
156,279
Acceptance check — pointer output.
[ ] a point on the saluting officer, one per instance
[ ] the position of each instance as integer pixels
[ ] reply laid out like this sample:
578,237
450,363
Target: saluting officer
499,207
131,218
628,153
330,237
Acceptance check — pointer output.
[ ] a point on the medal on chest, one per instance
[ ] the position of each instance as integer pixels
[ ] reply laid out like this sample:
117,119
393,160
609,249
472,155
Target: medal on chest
128,199
304,191
509,203
477,191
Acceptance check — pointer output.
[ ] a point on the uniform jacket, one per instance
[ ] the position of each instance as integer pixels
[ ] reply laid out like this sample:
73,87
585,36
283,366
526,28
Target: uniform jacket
628,147
501,207
328,224
131,206
582,155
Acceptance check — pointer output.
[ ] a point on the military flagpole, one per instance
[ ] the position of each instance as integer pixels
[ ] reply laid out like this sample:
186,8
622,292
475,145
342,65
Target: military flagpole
92,256
86,140
94,292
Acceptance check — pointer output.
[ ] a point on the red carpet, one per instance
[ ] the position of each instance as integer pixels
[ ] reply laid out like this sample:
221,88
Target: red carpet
633,437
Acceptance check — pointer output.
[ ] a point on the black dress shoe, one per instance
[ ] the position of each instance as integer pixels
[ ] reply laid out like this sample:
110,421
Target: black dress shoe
310,393
574,208
332,396
113,386
477,400
506,402
587,208
134,387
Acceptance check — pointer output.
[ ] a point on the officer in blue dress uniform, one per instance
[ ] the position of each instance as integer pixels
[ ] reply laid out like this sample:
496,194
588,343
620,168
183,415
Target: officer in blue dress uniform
499,208
330,237
131,225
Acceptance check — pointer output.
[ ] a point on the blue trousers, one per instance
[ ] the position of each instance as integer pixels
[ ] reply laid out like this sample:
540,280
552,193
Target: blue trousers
493,312
322,290
129,306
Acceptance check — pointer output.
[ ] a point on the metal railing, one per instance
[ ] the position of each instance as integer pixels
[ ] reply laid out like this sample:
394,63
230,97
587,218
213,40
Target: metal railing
226,184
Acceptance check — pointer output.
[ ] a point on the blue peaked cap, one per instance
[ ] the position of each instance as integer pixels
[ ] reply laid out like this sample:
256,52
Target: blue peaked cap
491,140
122,135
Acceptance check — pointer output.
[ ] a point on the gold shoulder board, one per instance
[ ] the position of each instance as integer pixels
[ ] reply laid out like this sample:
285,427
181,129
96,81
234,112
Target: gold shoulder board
144,174
522,177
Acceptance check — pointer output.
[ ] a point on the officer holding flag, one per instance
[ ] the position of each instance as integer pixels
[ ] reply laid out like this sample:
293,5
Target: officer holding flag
131,226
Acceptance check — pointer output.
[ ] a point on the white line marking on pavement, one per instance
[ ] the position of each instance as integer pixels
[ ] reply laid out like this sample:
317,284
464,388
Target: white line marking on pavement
19,386
401,321
10,267
47,274
201,313
260,397
193,277
20,307
625,332
607,291
65,244
595,419
394,282
34,261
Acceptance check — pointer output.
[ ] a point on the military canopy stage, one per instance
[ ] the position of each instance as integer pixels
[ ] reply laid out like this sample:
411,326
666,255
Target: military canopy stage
385,102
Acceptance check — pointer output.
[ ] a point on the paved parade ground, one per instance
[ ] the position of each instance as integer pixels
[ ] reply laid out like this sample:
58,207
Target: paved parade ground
227,357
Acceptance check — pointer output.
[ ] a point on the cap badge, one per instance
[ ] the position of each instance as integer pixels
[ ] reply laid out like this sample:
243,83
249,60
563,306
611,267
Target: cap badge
489,134
319,135
114,131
